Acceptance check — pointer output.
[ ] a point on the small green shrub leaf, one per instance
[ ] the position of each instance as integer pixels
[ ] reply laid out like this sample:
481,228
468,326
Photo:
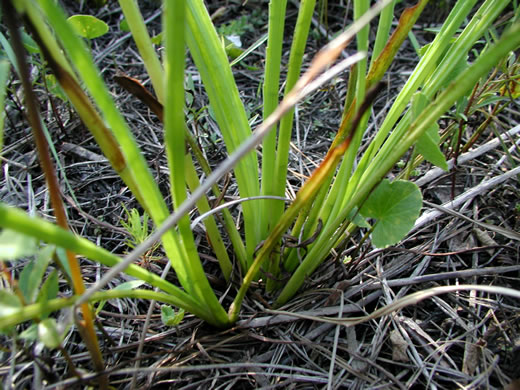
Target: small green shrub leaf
489,99
136,226
48,291
123,26
157,40
49,334
168,316
32,274
62,257
428,146
30,45
54,87
14,245
30,334
9,303
428,143
88,26
396,206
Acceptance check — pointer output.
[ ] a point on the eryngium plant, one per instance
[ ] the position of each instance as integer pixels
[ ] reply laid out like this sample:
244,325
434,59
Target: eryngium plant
347,191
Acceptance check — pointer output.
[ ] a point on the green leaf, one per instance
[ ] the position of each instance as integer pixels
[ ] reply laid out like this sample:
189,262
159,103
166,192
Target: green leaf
14,245
396,206
48,291
54,87
136,226
62,257
49,334
88,26
157,40
32,274
428,143
357,219
489,99
237,26
30,334
428,146
30,45
9,303
123,26
123,286
168,316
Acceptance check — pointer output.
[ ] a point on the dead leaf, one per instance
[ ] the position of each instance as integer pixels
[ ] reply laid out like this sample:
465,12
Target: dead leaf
471,358
400,346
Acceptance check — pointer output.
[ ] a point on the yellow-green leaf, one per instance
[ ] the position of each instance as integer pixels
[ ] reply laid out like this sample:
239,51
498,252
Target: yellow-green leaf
88,26
49,334
14,245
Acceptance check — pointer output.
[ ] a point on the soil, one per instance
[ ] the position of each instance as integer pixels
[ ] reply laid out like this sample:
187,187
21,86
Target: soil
456,340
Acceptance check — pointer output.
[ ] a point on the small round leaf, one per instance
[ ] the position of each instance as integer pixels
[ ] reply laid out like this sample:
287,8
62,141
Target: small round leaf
49,334
14,245
9,303
88,26
396,206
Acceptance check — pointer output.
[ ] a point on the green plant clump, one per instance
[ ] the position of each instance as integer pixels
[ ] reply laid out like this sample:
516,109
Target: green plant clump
346,192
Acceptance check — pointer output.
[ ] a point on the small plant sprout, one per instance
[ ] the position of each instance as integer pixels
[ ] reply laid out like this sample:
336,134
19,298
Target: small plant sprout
169,317
136,225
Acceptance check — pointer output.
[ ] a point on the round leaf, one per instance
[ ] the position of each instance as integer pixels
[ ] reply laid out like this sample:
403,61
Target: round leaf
14,245
396,206
9,303
88,26
49,334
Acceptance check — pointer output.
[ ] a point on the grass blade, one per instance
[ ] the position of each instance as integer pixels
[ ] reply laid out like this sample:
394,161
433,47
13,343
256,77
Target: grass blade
174,139
211,60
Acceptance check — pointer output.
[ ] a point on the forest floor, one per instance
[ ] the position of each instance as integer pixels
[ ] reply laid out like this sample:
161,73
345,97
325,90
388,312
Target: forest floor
458,340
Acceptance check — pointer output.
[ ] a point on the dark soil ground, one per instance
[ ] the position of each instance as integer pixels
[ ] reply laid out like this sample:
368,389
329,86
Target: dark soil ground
457,340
